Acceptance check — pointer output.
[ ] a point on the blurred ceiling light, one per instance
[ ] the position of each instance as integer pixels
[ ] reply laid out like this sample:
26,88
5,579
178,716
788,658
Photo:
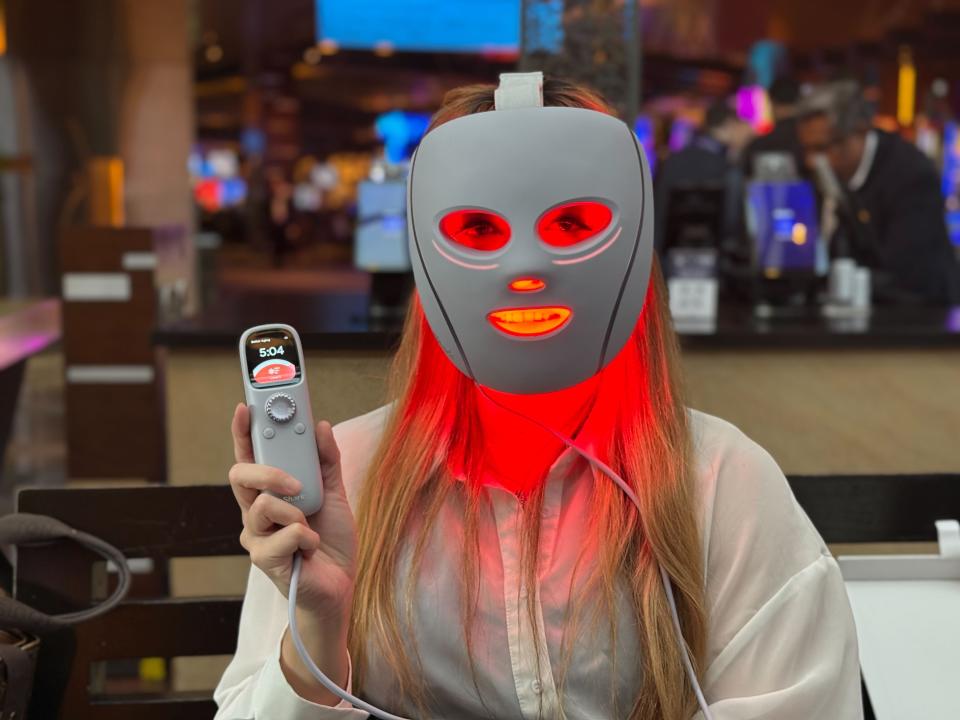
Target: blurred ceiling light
328,47
213,54
223,86
940,88
906,87
302,71
312,55
383,49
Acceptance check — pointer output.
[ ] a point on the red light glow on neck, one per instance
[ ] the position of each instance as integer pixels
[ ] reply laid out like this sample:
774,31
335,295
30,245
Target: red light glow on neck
443,408
530,322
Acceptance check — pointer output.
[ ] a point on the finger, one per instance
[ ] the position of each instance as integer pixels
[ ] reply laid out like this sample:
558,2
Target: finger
249,479
270,550
268,511
329,456
240,428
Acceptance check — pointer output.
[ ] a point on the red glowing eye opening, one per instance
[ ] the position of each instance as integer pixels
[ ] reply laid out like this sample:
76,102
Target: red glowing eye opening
475,229
573,223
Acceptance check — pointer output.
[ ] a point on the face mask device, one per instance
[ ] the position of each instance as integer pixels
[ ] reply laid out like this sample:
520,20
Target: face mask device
531,237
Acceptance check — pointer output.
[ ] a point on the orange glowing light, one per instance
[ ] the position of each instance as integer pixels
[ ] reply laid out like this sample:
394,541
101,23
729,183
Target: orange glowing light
527,285
383,49
530,322
799,234
906,88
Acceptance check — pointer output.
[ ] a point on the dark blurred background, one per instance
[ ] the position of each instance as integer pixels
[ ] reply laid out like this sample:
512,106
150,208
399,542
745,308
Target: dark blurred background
175,171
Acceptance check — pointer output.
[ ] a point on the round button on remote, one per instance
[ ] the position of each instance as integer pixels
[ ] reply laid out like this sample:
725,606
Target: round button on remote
280,408
269,432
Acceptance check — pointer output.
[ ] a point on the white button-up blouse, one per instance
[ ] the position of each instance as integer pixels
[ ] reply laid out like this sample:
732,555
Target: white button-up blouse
781,638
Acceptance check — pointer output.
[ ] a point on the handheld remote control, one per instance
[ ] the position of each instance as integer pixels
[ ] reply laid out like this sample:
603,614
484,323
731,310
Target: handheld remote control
281,423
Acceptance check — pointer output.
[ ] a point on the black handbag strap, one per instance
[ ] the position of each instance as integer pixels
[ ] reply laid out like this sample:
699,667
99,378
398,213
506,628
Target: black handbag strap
26,528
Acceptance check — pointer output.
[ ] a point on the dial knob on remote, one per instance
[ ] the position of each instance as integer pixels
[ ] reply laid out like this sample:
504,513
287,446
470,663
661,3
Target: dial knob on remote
281,408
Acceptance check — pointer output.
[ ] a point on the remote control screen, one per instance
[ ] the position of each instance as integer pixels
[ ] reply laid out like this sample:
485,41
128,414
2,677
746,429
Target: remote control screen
272,358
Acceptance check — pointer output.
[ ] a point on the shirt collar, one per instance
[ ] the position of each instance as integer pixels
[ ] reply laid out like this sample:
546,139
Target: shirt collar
866,162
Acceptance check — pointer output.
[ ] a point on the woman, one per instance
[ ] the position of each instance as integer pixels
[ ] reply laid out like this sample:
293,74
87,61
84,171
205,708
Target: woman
465,564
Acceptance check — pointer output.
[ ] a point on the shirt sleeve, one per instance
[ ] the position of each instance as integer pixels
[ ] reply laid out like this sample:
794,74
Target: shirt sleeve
253,686
782,642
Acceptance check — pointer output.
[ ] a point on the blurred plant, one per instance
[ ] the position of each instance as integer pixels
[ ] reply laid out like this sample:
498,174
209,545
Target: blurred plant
589,40
588,45
681,27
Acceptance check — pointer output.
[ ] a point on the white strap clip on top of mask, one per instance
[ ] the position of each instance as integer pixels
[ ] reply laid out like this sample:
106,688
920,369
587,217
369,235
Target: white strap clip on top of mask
519,90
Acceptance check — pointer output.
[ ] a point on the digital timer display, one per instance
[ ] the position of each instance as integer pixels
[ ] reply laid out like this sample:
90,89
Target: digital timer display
272,358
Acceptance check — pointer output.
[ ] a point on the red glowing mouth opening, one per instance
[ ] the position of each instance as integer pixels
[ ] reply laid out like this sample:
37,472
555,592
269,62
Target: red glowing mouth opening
531,321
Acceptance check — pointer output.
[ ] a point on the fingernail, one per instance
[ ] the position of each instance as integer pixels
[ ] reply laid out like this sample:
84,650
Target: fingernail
293,487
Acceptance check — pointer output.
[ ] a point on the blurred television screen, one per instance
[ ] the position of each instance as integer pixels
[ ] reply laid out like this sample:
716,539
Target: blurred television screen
951,179
681,133
381,236
480,26
782,218
644,129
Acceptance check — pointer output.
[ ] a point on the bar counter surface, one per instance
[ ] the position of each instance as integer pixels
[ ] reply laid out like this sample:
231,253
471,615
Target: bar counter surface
340,321
876,393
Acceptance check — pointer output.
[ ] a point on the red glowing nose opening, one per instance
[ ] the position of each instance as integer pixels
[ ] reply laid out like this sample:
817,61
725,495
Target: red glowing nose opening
573,223
475,229
527,285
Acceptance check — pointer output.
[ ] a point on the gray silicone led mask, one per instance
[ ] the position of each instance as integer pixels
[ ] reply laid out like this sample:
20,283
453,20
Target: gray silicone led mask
519,164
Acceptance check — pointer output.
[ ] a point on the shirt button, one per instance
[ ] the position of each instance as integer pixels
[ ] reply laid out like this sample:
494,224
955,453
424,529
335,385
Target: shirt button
537,687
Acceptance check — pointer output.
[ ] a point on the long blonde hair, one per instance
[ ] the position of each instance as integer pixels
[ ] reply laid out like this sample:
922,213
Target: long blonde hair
434,419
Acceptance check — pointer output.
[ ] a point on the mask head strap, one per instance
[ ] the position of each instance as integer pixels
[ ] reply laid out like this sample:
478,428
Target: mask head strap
519,90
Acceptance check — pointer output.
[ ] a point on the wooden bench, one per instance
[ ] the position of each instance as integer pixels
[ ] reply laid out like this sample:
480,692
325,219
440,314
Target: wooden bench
160,523
165,522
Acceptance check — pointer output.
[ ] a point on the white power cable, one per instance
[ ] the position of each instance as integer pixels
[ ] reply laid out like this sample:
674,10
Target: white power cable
665,578
308,661
595,462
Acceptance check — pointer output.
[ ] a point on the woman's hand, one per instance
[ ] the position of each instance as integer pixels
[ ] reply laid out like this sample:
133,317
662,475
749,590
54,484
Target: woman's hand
273,530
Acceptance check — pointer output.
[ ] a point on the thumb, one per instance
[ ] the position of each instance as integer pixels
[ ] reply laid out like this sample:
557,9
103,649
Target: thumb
240,429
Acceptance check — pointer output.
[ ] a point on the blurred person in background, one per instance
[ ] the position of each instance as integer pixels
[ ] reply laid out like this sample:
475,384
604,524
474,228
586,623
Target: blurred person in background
784,96
887,195
711,158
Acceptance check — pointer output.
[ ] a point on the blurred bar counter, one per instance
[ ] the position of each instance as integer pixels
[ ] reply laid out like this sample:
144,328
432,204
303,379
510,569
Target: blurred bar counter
878,393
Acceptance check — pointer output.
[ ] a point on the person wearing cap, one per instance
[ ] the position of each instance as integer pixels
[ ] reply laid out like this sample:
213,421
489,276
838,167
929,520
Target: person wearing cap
888,194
